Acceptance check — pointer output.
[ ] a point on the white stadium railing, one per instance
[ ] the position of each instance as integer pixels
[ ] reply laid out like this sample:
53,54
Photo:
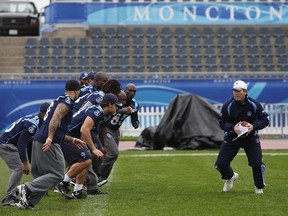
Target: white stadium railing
151,116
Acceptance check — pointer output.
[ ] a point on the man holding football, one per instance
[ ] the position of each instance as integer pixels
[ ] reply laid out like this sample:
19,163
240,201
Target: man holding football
236,113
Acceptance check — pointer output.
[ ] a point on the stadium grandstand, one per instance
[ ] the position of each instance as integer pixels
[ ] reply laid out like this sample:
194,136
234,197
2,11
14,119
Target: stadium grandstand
183,39
166,50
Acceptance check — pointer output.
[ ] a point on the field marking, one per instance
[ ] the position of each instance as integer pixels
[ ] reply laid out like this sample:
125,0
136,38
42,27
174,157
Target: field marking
197,155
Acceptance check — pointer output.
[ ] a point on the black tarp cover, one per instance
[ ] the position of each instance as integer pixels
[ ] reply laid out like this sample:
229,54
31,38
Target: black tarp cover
190,122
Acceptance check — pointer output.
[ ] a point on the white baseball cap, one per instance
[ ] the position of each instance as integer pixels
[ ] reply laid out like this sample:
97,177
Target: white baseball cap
240,85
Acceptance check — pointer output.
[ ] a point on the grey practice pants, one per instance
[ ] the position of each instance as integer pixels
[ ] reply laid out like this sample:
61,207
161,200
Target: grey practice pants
112,153
10,155
47,168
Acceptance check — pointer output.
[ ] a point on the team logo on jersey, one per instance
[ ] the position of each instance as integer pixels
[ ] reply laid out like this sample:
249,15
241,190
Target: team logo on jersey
99,99
68,100
31,130
249,113
83,154
109,135
97,113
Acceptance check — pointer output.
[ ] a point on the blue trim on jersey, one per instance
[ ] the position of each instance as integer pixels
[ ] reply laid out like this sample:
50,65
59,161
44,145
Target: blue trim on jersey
253,104
263,168
229,107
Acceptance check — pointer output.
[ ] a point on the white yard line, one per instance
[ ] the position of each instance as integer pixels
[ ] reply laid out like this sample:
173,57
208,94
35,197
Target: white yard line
196,155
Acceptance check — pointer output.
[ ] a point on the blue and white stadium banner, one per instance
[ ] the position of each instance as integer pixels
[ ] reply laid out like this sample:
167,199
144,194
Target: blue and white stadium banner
22,97
161,13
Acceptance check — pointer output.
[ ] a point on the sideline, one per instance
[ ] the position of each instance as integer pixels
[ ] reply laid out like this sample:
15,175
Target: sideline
196,155
266,144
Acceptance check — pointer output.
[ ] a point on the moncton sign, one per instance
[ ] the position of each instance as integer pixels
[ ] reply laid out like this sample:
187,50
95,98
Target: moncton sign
167,13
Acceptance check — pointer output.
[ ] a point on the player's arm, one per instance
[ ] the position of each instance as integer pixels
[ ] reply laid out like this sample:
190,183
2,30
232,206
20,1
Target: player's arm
224,120
262,118
60,111
85,130
22,143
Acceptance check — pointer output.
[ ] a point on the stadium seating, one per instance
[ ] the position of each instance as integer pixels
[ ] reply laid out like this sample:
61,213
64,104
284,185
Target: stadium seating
160,49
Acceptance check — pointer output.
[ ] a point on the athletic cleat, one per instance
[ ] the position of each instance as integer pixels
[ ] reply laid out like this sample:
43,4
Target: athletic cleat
102,182
63,188
229,183
258,191
21,193
9,201
80,194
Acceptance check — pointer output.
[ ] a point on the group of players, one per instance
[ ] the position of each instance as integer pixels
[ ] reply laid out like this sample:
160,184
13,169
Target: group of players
78,132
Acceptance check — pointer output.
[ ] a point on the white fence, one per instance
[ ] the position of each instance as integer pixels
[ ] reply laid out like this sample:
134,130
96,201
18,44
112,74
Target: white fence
151,116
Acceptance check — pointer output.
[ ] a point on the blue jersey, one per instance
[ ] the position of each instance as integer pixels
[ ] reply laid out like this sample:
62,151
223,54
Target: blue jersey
234,111
20,133
62,129
117,120
96,97
94,111
85,89
79,102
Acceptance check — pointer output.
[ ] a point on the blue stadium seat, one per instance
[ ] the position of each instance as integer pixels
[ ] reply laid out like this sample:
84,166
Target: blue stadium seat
70,43
70,53
166,33
137,32
210,52
83,53
97,33
56,65
123,32
31,43
151,32
138,52
84,43
250,33
123,42
137,42
222,33
194,32
57,43
97,43
84,64
236,32
43,65
57,53
264,32
208,33
180,32
152,42
30,53
225,51
43,53
240,64
123,52
44,43
110,32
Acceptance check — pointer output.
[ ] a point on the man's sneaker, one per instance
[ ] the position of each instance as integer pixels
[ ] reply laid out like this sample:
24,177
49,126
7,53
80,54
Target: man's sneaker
258,191
96,192
229,183
102,182
21,193
63,188
9,201
80,194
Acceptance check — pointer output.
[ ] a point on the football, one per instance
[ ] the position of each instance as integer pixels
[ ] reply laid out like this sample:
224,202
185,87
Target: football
244,123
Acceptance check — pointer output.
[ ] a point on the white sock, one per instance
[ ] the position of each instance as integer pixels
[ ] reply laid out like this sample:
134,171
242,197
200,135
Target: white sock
67,179
78,187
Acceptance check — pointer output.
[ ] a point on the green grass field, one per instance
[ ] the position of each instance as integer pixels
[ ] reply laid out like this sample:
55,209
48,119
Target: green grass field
172,183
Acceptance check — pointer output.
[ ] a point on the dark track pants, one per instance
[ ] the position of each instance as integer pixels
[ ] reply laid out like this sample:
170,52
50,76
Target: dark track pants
229,150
